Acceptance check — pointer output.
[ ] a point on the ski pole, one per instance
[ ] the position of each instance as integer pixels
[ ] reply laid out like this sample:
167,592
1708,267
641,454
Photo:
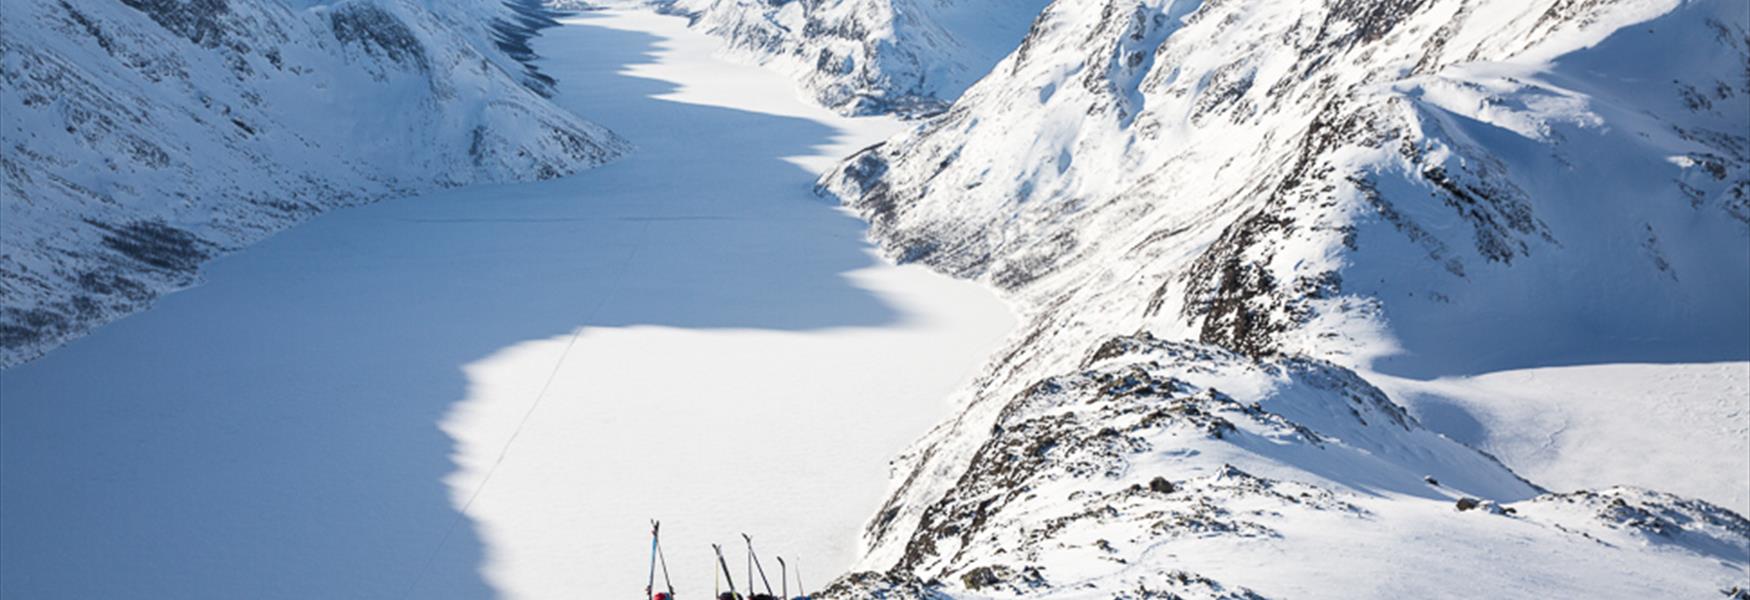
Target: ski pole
667,581
650,585
725,565
756,563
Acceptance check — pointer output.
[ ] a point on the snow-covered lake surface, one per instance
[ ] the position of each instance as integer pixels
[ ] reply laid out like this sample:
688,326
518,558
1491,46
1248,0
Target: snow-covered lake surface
688,334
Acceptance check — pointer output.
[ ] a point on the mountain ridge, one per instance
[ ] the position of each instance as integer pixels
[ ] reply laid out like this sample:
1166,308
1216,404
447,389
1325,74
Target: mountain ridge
148,137
1416,188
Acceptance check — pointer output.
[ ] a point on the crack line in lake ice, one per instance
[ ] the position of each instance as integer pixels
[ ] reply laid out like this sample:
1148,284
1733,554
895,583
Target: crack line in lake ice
462,512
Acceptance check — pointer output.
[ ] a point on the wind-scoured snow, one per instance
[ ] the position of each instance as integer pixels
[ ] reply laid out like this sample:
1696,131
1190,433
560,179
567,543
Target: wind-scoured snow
142,138
688,334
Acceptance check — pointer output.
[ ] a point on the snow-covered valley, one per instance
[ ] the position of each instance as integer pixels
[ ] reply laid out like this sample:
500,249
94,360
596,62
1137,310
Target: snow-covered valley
686,334
144,138
1255,299
908,57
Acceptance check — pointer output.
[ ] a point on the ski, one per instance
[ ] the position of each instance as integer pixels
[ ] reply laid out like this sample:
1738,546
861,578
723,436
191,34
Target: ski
755,558
725,565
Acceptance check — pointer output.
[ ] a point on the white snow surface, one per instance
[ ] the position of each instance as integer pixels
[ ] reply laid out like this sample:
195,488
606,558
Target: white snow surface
1447,187
908,57
1678,428
686,334
1450,196
1164,467
1497,212
140,139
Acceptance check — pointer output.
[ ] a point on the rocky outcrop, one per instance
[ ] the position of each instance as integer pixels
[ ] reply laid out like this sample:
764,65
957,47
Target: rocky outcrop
1263,173
1300,191
1105,481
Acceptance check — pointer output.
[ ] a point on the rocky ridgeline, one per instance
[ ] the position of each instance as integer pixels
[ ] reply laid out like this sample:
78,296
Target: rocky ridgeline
1297,190
1269,178
1089,483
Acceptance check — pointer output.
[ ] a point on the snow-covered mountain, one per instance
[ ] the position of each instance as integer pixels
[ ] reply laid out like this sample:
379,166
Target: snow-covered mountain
145,137
1395,182
1164,469
907,57
1309,194
1246,239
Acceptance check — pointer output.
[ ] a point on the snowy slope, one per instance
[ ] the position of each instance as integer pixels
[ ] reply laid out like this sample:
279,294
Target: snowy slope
145,137
1566,427
1164,468
909,57
1460,186
1410,189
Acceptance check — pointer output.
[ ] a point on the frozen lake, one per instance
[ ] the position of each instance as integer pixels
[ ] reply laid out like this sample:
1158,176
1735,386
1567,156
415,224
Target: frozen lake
489,391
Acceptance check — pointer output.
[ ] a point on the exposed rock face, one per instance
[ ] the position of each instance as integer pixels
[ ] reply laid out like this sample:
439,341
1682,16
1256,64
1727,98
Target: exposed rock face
1156,461
1297,189
1373,179
145,137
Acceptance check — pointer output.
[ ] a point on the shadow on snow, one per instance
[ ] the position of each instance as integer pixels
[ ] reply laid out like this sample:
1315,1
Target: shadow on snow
271,433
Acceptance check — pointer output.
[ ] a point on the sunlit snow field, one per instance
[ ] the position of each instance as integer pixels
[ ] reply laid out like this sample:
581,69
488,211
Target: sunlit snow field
687,334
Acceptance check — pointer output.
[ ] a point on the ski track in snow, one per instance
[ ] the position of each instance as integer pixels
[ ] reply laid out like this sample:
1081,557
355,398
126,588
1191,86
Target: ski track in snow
687,334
